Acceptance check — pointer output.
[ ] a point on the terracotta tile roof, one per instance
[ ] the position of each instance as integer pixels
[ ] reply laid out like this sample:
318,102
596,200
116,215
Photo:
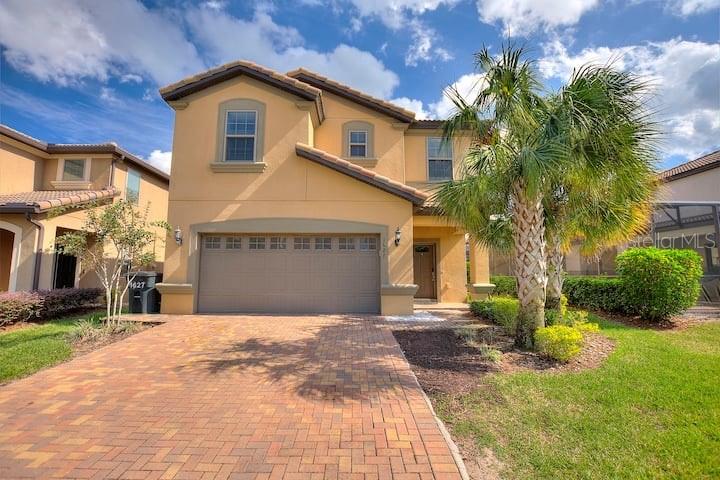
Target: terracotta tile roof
706,162
427,124
357,172
230,70
351,94
43,200
108,147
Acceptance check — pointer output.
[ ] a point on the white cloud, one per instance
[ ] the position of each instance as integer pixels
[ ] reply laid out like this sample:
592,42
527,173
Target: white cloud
467,86
160,159
227,38
523,17
422,47
413,105
686,8
687,79
394,13
93,40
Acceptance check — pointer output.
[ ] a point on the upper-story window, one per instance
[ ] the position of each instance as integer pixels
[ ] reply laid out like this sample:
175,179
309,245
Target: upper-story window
74,170
132,186
439,156
240,135
358,143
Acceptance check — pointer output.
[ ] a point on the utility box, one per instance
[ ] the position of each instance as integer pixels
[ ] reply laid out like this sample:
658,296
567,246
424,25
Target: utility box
144,297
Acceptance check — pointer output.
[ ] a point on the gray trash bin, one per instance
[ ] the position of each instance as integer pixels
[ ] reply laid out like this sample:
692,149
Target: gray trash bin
144,297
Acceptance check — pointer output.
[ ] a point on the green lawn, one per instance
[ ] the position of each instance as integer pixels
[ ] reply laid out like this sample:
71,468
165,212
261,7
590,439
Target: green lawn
30,349
651,411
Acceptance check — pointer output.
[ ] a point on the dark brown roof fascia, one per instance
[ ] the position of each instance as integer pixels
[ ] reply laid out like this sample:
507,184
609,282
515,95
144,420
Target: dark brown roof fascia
312,156
426,124
340,92
19,208
228,74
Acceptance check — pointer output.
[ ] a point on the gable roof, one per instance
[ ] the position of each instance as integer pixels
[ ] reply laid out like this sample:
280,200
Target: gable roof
228,71
44,200
364,175
706,162
70,148
341,90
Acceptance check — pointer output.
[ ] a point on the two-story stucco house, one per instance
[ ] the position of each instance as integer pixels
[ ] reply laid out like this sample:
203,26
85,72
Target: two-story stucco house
36,177
295,193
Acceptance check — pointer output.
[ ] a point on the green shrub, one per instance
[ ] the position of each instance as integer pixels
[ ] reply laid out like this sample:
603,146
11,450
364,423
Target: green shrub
504,285
560,342
500,310
659,283
597,293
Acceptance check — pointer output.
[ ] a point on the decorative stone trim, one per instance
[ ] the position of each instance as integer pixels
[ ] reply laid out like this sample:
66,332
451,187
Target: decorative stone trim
399,289
481,288
238,167
70,185
175,288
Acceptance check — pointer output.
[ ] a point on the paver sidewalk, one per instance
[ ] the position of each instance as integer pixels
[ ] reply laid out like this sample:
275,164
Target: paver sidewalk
217,397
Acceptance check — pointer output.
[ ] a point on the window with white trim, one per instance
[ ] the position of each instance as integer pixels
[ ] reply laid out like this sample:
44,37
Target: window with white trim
256,243
74,169
323,243
358,143
240,135
368,243
301,243
233,243
212,243
132,186
278,243
346,243
440,164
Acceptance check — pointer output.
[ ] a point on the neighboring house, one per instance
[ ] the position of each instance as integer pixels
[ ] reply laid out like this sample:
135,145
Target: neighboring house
687,215
36,177
294,193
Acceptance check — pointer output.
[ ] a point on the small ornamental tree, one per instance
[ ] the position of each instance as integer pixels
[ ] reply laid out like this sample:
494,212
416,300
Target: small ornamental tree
115,238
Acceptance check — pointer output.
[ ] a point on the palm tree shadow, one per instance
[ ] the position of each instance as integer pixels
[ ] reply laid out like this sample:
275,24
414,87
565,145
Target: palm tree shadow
351,358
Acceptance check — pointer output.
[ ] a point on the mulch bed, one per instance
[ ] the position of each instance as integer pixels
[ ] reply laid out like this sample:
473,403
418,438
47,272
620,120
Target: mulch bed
444,363
86,346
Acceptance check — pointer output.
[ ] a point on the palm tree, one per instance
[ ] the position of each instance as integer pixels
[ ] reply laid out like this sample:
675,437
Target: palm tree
528,145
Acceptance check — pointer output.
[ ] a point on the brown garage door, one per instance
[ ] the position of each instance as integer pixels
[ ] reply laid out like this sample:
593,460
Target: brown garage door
272,273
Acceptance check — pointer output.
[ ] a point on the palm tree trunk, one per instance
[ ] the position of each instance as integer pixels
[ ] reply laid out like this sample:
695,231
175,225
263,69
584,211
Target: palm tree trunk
530,264
555,259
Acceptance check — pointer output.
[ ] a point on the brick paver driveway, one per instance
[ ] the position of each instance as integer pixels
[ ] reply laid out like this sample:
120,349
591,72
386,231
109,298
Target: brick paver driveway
228,397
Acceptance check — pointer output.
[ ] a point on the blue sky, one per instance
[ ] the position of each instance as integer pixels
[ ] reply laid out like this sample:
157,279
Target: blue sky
89,70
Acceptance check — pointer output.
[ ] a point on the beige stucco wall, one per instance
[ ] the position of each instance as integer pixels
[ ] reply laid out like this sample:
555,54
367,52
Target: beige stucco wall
153,196
450,252
21,167
701,187
388,135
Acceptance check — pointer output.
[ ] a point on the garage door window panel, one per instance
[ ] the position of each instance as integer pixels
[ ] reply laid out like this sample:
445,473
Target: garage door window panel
301,243
212,243
323,243
278,243
256,243
233,243
368,243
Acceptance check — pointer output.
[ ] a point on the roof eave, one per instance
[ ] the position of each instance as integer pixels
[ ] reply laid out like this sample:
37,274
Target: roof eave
320,159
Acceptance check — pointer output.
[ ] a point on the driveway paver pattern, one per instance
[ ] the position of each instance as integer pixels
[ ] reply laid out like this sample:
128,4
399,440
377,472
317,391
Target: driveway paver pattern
238,397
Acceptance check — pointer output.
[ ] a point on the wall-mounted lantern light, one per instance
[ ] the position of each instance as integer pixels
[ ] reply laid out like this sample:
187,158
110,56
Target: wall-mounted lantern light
178,236
397,236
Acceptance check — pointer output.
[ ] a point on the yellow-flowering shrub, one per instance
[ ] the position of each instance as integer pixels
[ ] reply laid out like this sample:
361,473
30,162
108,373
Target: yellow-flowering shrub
560,342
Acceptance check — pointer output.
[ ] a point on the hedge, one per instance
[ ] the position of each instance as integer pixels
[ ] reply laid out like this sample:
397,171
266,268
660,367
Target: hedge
596,293
44,304
504,285
659,283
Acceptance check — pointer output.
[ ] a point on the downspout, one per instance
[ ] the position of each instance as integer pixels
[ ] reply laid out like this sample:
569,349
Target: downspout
38,250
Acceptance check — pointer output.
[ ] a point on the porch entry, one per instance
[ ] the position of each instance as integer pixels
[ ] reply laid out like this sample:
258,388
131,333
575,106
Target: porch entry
424,267
64,265
7,241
